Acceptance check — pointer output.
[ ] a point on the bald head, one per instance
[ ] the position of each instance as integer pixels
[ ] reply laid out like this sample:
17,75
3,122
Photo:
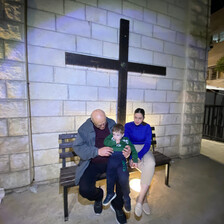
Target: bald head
98,118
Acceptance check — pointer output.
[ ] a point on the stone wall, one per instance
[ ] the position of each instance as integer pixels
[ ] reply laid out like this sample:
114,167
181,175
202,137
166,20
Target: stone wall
168,33
15,153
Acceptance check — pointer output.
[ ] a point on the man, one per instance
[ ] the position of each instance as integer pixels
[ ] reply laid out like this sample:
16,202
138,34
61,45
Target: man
93,155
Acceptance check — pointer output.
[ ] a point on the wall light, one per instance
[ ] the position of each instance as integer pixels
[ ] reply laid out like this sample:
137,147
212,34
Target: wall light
135,185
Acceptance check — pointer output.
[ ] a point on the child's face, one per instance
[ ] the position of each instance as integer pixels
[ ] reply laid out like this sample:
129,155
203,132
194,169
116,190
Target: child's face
117,135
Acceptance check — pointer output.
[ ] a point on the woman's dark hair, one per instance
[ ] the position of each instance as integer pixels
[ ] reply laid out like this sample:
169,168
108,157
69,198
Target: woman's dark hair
141,111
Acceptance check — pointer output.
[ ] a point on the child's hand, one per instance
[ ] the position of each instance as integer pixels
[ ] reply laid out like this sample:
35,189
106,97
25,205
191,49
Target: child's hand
135,165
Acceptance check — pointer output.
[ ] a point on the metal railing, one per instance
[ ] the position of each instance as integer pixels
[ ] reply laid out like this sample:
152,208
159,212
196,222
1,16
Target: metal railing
213,122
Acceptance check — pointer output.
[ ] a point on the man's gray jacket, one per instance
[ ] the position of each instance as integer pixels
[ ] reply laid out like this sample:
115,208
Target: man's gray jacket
84,145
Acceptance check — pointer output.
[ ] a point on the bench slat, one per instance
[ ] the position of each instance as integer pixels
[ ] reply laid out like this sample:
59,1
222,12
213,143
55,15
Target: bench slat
67,136
64,145
64,155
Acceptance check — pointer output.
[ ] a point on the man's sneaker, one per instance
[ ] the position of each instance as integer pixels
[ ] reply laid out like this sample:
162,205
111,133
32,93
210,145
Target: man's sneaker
98,207
120,216
108,199
127,205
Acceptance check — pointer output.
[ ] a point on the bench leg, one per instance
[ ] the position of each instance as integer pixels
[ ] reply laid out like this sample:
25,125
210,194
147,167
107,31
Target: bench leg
167,173
65,204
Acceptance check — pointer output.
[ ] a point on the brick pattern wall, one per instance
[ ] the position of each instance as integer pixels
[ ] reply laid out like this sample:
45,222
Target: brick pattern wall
164,32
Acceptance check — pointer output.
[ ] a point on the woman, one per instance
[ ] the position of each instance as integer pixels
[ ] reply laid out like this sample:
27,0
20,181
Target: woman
140,135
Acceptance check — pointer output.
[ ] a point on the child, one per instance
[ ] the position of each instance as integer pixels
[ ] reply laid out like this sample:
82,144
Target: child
117,167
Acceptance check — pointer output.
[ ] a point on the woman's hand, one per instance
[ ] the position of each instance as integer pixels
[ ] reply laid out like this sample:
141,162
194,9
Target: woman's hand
127,151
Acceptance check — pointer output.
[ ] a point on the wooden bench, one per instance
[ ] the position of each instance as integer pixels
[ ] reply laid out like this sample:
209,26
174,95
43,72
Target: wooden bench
67,172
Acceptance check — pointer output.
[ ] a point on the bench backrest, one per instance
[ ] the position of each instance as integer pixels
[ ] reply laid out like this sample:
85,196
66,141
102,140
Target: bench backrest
66,151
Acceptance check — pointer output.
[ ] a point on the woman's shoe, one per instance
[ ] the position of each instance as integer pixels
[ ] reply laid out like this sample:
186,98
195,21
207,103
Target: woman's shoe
146,208
138,209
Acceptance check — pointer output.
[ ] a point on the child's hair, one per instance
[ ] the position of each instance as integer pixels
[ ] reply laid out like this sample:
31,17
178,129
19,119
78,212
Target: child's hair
118,128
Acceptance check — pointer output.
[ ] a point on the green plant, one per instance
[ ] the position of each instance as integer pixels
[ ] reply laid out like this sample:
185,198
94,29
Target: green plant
220,65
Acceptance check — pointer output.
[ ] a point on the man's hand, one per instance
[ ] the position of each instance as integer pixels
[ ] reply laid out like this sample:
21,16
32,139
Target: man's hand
105,151
127,151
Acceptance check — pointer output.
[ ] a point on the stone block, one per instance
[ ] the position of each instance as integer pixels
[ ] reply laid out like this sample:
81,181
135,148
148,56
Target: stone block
176,108
168,119
45,157
164,84
162,59
73,108
153,120
143,28
189,119
197,138
110,50
40,73
11,31
70,76
199,118
200,65
69,25
79,120
75,9
4,164
187,108
177,12
47,172
89,46
41,19
160,108
114,80
163,20
190,86
134,40
91,106
50,39
175,140
186,129
174,49
2,89
46,108
178,85
96,15
104,33
188,140
158,6
113,20
174,96
55,6
135,95
3,128
190,97
163,141
89,2
16,89
45,141
196,129
141,82
14,51
160,131
49,56
19,161
164,34
83,93
199,87
140,55
172,151
108,94
173,129
149,16
13,109
15,179
52,124
18,126
181,38
1,49
12,70
97,78
197,108
48,91
140,2
146,106
175,73
132,10
152,44
201,97
179,62
114,6
155,96
11,145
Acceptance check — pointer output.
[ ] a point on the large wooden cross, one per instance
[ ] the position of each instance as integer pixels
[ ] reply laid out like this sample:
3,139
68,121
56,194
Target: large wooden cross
122,65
